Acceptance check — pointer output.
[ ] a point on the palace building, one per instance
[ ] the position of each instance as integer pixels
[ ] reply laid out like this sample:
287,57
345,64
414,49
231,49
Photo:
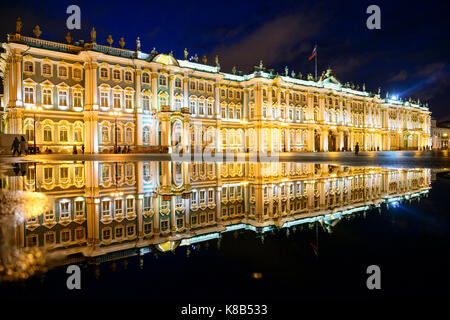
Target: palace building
76,93
107,210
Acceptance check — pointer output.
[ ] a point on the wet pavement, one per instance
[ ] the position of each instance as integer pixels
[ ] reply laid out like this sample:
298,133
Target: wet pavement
388,159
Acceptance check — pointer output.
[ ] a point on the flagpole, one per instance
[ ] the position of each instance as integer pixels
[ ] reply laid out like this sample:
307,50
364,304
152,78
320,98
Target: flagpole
315,62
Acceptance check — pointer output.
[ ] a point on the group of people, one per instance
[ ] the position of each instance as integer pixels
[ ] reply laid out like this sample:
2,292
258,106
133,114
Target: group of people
19,147
75,150
125,149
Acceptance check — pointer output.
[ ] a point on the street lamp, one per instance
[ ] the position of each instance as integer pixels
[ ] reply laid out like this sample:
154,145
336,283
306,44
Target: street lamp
34,109
115,114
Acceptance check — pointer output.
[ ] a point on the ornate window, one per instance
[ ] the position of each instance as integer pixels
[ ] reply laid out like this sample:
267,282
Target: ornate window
47,134
62,72
29,94
105,134
178,83
129,135
28,67
146,135
77,73
62,98
47,69
146,102
162,100
116,75
116,100
104,98
162,80
78,134
201,107
104,73
128,101
63,134
210,108
77,99
128,76
145,77
47,96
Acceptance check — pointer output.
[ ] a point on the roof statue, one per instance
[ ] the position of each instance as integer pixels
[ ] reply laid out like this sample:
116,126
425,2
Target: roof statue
37,31
196,58
186,53
93,35
138,44
110,40
204,59
286,71
18,25
122,43
292,74
69,37
233,70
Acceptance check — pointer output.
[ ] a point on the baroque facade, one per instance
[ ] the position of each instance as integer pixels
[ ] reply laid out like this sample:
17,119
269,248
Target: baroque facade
99,210
61,95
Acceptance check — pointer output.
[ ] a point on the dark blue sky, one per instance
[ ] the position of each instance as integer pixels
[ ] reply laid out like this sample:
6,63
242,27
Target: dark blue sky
409,56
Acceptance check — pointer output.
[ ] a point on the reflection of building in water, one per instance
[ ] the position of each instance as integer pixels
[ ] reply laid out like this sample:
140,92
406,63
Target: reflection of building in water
100,209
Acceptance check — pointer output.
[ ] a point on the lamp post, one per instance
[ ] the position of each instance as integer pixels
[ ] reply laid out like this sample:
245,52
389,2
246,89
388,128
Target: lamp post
34,110
115,114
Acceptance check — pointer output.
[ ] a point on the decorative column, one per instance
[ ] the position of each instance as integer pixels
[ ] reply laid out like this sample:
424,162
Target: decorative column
154,91
139,141
91,108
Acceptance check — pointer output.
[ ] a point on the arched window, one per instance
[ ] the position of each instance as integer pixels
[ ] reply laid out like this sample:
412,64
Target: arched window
63,134
178,103
128,76
62,72
46,69
104,73
28,67
77,73
116,74
105,134
145,77
162,80
146,135
129,135
78,134
178,83
29,131
146,102
162,101
48,134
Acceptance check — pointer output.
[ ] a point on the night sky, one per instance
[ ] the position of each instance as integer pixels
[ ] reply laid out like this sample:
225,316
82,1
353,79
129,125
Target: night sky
409,56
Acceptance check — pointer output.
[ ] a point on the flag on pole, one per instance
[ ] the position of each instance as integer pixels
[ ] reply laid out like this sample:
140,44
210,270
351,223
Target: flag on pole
313,54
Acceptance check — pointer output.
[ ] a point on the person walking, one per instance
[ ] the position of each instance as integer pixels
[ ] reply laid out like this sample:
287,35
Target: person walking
82,148
23,145
75,151
15,147
356,148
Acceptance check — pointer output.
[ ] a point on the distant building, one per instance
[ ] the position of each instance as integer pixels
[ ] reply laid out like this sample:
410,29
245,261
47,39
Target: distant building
440,133
103,97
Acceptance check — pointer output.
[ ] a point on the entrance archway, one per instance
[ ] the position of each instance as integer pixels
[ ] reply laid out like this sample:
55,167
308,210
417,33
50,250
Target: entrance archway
316,141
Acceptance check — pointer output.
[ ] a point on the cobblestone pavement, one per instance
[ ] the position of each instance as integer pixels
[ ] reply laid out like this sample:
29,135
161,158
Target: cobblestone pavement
394,159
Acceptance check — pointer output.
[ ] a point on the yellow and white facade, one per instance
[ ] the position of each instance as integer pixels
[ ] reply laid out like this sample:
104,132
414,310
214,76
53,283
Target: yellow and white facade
88,94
